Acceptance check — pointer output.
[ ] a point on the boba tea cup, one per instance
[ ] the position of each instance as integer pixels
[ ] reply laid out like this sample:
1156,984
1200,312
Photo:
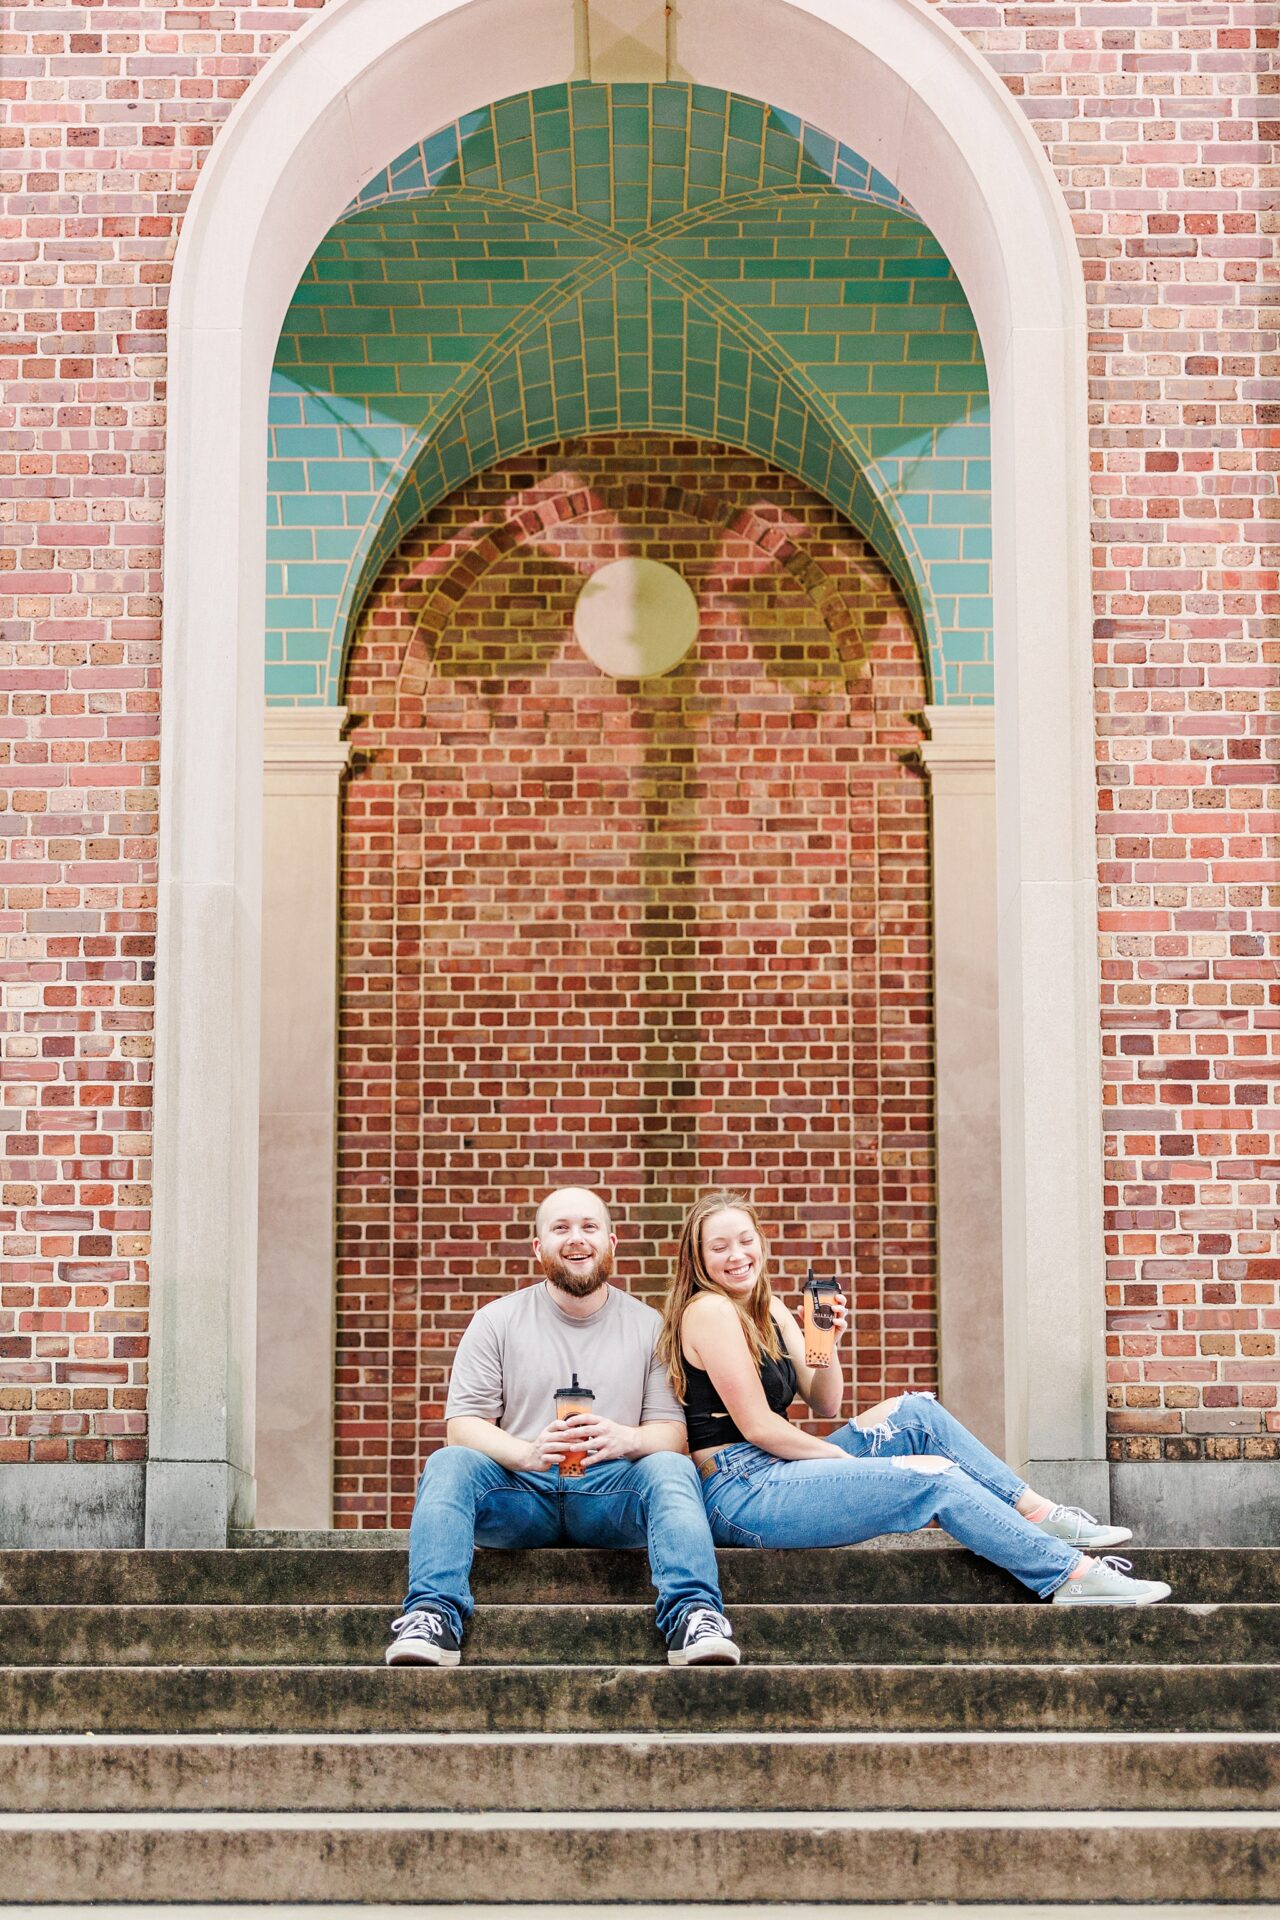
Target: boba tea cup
819,1320
574,1399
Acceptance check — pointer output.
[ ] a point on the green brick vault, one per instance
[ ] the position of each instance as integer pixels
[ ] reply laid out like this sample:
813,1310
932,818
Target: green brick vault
588,259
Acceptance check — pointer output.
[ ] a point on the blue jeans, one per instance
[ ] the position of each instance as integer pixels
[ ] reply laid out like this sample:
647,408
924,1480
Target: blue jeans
754,1499
466,1500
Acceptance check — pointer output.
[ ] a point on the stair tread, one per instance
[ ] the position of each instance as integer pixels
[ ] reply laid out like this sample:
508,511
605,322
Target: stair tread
995,1609
694,1821
632,1740
453,1675
885,1572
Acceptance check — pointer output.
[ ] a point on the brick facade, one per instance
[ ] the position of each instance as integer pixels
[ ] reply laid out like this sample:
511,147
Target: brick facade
1156,120
653,934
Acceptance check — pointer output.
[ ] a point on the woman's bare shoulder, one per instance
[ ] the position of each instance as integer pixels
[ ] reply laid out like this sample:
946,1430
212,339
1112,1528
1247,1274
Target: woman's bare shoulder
709,1310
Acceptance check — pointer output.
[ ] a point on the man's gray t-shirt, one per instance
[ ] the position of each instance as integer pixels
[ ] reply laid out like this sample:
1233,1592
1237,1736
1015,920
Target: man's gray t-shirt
519,1350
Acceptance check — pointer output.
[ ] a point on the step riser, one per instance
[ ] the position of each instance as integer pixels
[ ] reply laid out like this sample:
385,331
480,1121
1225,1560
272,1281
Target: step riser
520,1636
636,1700
974,1865
640,1776
567,1576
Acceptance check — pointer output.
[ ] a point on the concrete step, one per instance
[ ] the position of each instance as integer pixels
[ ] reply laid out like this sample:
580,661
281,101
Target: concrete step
569,1857
875,1572
584,1699
634,1773
828,1633
629,1910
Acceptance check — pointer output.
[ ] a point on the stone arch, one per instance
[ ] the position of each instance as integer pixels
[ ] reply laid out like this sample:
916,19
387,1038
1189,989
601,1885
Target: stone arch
350,91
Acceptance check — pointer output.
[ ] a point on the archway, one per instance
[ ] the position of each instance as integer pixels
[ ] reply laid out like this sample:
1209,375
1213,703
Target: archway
350,92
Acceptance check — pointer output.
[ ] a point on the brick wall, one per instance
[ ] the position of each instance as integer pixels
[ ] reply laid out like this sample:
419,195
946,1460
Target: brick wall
109,111
1159,123
647,935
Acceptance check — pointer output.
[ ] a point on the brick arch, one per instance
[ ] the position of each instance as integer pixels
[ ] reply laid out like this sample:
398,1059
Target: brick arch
538,511
748,855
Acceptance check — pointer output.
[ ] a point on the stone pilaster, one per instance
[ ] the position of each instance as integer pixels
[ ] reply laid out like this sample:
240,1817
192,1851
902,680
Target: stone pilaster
304,760
960,756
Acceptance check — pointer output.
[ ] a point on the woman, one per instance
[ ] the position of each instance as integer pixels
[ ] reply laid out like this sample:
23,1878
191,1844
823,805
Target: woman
736,1358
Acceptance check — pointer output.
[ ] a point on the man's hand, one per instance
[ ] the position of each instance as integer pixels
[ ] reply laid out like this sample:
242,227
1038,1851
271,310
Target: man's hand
544,1454
600,1439
589,1434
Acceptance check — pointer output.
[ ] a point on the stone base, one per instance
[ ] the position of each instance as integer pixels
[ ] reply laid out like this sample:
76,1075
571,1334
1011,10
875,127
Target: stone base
1230,1503
193,1503
79,1504
1074,1483
1197,1503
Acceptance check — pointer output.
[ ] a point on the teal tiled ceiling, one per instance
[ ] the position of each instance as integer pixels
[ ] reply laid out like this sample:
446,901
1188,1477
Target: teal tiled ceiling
590,259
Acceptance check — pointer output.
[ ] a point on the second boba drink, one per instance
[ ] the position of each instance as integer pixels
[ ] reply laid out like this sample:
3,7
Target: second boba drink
573,1399
819,1320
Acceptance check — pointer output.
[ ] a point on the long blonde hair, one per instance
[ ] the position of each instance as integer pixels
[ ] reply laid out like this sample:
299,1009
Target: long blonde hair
691,1278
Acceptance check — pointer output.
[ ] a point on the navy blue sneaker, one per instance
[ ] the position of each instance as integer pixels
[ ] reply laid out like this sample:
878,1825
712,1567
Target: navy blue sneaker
707,1641
423,1639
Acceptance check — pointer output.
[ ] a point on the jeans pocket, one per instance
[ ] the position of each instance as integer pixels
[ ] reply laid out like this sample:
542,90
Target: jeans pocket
726,1534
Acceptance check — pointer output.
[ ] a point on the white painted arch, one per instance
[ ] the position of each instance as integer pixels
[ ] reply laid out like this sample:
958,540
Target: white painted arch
353,88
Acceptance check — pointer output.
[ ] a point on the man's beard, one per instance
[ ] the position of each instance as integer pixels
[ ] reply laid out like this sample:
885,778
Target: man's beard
578,1282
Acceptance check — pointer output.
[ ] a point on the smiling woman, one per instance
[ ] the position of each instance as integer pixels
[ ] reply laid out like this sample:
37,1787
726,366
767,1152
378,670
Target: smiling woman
737,1359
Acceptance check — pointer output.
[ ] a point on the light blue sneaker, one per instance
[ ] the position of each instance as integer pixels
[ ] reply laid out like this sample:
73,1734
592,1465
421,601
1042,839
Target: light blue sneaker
1107,1584
1083,1530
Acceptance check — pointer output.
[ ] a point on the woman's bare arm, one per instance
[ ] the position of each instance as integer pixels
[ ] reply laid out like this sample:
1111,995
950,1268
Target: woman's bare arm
822,1387
712,1336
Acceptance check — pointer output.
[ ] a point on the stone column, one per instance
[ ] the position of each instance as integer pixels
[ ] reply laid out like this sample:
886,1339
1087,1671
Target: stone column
305,756
960,756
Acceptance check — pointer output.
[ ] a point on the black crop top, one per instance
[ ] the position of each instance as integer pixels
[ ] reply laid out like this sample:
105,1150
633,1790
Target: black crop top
710,1423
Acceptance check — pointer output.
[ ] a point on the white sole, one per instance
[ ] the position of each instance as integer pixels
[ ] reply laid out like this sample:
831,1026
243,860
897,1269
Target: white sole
712,1653
401,1657
1114,1600
1098,1543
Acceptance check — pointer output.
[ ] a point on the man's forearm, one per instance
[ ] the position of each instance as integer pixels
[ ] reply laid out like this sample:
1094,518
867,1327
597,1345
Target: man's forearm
484,1437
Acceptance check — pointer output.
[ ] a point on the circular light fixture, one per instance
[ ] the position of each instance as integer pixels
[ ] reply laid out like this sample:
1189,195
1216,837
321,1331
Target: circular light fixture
635,618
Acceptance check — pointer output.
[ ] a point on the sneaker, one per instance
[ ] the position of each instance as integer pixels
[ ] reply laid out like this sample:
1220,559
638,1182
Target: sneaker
1081,1529
423,1639
708,1641
1107,1584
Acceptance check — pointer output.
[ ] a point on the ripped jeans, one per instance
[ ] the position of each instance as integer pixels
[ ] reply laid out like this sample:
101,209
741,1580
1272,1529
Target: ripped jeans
755,1499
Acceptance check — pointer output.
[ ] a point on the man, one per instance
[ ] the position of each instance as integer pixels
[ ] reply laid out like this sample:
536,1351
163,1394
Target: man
498,1480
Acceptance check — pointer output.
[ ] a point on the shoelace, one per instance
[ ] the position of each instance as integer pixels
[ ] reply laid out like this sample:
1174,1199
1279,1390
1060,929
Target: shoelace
702,1623
1116,1564
419,1625
1080,1515
1074,1513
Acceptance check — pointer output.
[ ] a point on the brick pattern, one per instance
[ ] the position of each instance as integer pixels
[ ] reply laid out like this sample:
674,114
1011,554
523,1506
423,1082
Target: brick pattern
651,934
1158,121
109,111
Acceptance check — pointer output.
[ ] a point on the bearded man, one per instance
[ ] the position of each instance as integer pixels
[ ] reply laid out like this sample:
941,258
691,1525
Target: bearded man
498,1481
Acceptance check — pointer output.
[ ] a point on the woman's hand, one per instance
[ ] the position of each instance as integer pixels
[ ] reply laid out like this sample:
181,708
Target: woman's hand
839,1304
